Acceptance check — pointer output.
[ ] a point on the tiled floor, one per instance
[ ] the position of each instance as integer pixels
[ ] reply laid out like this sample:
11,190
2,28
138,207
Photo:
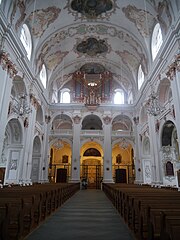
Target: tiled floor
87,215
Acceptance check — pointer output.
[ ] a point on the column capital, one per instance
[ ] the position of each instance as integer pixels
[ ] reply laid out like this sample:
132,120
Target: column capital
77,119
175,66
107,120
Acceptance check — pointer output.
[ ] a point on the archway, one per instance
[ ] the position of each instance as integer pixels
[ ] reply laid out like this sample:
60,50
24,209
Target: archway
60,160
169,153
92,164
123,162
12,147
36,157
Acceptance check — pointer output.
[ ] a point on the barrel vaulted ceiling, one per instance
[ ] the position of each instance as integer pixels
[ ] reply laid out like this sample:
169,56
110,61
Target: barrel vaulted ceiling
113,34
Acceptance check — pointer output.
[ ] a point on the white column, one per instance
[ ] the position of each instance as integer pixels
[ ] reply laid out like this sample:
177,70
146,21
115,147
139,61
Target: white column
28,148
75,161
5,85
154,149
107,163
175,86
137,153
45,163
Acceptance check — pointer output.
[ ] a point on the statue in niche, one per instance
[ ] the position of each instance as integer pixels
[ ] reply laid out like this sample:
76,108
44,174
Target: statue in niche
64,159
92,47
118,159
91,8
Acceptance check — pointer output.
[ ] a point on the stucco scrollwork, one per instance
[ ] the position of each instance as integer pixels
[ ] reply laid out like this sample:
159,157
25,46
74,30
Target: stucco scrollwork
107,120
7,64
175,66
77,119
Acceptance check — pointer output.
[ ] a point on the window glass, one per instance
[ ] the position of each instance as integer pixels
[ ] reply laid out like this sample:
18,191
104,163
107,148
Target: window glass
156,40
65,97
43,75
119,96
140,77
25,38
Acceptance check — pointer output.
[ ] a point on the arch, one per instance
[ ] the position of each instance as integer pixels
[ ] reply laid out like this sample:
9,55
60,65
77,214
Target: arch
61,121
123,158
92,152
166,138
121,123
12,149
92,122
60,159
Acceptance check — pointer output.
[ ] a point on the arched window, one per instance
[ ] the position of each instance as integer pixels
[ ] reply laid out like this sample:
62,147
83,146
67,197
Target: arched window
119,96
25,38
65,96
156,40
140,77
43,75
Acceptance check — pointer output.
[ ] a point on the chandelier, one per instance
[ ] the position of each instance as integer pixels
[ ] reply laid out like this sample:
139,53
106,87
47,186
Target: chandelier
20,105
59,144
124,143
152,106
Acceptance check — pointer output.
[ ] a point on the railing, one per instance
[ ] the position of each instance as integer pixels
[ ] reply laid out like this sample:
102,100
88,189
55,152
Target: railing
92,132
122,133
62,132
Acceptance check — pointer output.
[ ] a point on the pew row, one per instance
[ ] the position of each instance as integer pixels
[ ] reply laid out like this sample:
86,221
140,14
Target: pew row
22,209
151,213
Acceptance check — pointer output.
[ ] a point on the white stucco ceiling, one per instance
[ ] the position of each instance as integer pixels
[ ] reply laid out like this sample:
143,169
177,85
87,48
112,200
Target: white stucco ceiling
57,30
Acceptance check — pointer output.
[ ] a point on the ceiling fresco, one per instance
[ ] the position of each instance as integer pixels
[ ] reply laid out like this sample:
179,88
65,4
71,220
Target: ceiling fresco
92,47
93,35
91,8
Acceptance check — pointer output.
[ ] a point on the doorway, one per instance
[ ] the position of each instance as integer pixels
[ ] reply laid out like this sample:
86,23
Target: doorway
61,176
93,174
121,176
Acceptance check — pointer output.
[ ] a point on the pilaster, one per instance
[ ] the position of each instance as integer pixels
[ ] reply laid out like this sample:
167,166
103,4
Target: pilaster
107,164
75,163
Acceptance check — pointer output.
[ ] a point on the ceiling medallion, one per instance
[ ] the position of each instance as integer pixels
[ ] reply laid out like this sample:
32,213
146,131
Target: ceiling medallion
92,47
92,8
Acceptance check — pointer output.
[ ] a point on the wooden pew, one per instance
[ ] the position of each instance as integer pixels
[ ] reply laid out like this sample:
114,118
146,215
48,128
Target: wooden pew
23,208
140,206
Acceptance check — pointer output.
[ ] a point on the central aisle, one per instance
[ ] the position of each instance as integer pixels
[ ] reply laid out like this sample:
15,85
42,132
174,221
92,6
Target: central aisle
88,214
